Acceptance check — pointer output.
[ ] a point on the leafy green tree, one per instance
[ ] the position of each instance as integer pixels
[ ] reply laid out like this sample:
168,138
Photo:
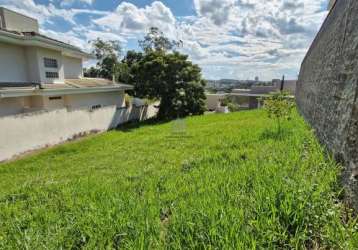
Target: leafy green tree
92,72
155,40
132,57
104,49
162,73
107,53
124,69
171,78
279,107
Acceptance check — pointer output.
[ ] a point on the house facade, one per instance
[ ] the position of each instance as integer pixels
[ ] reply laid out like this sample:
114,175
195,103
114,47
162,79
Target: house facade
41,73
44,98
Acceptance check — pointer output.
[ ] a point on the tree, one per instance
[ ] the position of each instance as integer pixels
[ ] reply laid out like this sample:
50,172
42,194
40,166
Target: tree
173,79
279,107
132,57
91,72
159,72
107,53
103,49
155,40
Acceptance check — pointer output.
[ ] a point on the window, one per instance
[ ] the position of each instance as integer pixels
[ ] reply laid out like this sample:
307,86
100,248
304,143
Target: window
94,107
52,98
50,63
52,75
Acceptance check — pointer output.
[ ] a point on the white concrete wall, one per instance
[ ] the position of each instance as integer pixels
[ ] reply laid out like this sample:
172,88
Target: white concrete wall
33,65
27,132
72,67
41,54
37,102
88,100
213,100
19,64
13,63
18,105
51,104
26,64
36,130
11,106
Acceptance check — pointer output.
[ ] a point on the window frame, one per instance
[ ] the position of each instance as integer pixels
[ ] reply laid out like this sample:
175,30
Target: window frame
50,63
52,75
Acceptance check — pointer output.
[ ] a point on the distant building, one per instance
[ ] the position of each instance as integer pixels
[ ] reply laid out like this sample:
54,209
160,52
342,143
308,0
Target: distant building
213,101
250,98
257,79
276,82
290,86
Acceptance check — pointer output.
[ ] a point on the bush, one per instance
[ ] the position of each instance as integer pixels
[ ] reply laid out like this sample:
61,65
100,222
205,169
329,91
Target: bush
233,107
128,100
279,107
227,102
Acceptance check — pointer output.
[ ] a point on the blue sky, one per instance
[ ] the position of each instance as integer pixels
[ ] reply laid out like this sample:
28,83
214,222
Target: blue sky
237,39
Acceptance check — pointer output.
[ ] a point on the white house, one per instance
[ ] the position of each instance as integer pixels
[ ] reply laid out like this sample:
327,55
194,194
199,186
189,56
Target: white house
44,98
41,73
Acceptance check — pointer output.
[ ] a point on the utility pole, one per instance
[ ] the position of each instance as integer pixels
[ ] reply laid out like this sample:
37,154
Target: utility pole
282,83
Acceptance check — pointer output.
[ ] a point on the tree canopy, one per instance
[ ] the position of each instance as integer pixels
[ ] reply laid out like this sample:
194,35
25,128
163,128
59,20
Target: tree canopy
156,40
162,73
108,55
172,79
158,72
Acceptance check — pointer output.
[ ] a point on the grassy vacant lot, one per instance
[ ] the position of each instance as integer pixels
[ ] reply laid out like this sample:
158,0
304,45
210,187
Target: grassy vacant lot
229,183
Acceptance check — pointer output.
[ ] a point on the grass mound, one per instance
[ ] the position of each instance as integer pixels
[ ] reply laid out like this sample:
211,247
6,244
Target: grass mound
223,181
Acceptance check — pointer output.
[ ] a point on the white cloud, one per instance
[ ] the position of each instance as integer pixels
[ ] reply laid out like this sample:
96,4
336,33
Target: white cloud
66,3
269,38
43,13
129,19
227,38
218,11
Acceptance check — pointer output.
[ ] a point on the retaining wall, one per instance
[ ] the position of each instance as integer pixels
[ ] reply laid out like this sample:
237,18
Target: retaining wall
31,131
327,89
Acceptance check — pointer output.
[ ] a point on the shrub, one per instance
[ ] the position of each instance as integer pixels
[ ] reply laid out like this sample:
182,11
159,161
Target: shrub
227,102
279,107
128,100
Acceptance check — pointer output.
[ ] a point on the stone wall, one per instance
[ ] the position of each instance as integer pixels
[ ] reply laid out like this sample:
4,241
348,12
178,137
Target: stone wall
327,89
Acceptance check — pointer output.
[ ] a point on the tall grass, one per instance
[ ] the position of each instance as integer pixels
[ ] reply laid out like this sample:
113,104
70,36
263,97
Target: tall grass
229,183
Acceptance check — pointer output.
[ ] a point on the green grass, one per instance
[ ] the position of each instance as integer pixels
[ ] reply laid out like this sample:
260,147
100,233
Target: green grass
230,183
